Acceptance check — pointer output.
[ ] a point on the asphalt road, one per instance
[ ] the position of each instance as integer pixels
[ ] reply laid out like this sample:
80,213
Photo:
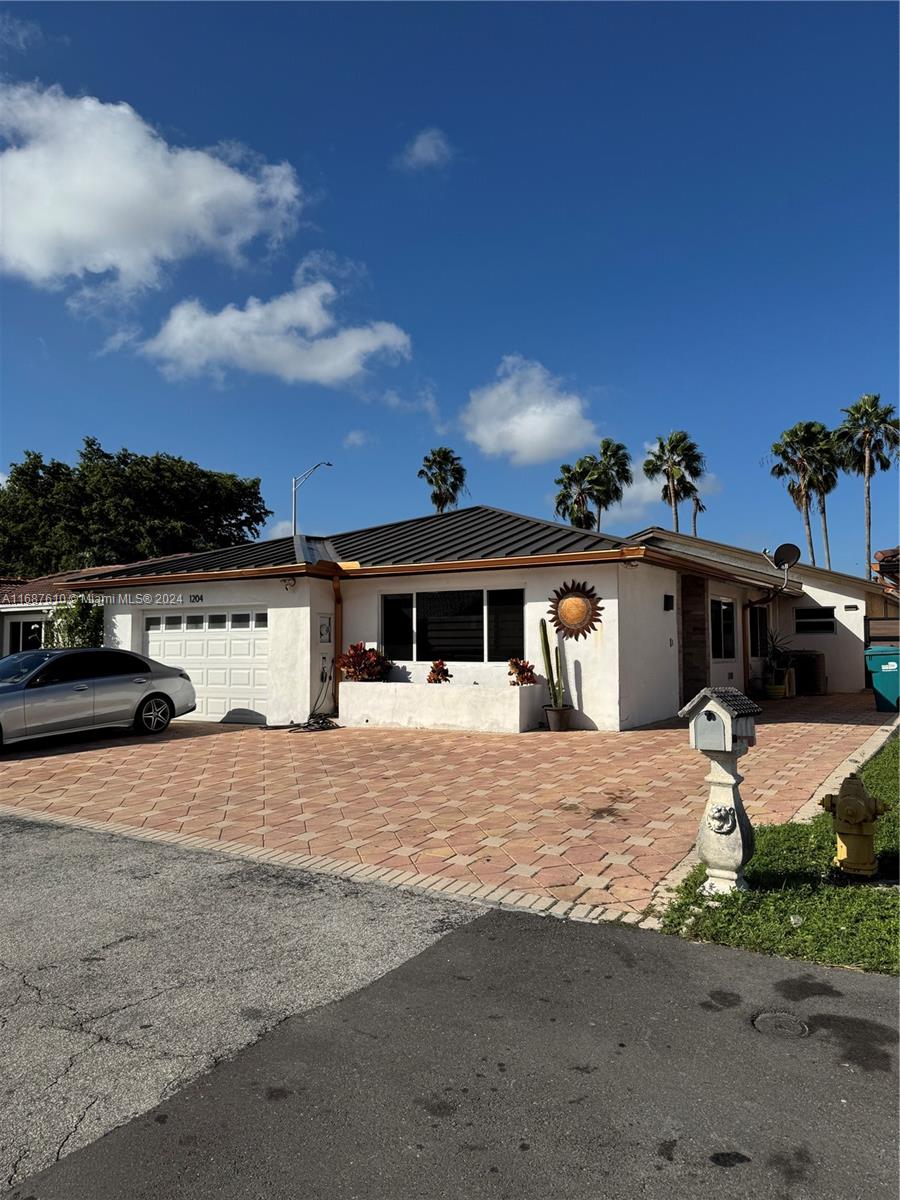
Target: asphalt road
527,1059
128,968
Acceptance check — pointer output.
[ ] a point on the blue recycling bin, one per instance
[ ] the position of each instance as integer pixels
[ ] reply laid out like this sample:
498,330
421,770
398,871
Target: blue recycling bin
883,663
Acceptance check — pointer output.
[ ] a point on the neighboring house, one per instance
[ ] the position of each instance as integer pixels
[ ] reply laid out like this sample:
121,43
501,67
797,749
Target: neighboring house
26,605
258,625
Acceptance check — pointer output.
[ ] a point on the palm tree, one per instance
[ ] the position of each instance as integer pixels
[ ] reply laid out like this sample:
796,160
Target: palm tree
676,458
576,492
444,473
697,505
612,476
868,442
825,464
798,456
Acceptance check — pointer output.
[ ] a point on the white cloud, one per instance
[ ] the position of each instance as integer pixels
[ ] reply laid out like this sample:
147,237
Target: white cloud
526,414
424,401
644,498
428,150
639,499
126,336
278,530
293,336
92,192
18,35
356,438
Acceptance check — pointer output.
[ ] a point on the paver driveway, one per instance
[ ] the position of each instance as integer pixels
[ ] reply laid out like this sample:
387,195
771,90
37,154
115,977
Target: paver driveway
553,820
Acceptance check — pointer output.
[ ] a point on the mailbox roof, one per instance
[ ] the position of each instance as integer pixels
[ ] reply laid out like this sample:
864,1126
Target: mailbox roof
730,698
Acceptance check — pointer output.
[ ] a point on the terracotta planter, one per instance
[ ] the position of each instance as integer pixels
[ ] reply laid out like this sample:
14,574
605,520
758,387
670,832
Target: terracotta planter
558,719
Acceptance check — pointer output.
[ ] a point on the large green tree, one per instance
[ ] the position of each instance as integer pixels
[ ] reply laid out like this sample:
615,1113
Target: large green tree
612,475
676,460
445,474
576,492
119,507
796,455
868,442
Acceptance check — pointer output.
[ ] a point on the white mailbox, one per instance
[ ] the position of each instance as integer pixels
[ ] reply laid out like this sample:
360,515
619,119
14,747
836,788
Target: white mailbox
722,720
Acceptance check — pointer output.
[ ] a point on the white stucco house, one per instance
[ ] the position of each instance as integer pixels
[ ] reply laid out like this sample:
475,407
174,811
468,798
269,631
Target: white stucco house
259,625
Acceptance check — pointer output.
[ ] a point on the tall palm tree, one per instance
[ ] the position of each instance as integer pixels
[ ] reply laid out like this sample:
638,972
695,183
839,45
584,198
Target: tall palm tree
797,454
825,465
697,506
612,476
444,473
576,492
868,441
675,458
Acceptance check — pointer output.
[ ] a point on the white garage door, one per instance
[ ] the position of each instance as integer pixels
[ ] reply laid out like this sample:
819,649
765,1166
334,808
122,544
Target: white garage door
223,651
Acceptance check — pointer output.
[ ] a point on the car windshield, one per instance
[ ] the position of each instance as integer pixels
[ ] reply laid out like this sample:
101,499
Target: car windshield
16,667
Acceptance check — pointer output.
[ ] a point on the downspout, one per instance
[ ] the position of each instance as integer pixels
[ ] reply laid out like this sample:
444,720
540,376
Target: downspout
338,634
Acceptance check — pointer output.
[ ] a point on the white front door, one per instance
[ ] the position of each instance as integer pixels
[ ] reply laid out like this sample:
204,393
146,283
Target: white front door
223,651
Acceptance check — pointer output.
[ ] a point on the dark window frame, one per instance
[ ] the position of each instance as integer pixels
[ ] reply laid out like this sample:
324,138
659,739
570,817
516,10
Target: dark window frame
721,638
496,635
818,616
759,639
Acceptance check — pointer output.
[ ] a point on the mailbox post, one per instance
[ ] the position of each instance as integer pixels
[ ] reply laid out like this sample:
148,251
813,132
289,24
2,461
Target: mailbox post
722,727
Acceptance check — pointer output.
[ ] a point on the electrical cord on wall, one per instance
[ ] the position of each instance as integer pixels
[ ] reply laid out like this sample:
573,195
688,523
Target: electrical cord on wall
317,721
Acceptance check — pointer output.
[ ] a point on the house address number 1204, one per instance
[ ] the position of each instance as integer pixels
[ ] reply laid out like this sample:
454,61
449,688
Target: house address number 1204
157,598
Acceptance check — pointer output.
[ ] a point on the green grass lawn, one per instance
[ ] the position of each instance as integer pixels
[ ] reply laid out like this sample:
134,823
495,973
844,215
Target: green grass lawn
796,906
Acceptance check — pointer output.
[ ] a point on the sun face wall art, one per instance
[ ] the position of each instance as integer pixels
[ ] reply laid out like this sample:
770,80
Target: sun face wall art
575,609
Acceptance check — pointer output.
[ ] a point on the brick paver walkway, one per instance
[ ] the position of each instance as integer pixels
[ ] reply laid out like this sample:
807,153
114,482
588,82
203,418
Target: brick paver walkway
586,818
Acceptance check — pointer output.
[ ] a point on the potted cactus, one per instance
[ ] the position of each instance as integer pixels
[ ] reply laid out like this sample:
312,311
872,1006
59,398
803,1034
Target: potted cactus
558,712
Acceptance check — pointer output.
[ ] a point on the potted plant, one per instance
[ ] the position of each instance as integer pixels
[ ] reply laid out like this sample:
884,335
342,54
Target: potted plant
360,665
777,663
558,712
439,672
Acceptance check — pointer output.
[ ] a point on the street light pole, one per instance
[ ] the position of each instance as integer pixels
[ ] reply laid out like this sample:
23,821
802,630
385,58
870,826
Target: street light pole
297,481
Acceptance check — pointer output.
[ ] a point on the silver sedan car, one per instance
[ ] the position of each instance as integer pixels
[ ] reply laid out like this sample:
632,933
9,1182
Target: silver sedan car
44,692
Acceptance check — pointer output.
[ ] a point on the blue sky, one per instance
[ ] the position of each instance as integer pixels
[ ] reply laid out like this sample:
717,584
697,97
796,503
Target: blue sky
507,228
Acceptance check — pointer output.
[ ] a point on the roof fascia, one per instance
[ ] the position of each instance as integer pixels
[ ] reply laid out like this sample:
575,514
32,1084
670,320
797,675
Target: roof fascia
686,539
320,570
575,558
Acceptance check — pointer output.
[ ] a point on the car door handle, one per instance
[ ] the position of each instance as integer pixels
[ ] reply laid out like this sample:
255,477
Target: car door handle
80,687
139,679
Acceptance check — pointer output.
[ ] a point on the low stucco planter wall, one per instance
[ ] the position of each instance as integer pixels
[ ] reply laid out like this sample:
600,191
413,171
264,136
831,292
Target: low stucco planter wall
442,706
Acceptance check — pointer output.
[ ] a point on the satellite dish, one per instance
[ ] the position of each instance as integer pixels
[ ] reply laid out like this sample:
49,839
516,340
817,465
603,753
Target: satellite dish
786,556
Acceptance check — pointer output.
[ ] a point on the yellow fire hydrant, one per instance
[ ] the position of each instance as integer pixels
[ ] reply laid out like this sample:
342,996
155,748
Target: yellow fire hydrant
853,813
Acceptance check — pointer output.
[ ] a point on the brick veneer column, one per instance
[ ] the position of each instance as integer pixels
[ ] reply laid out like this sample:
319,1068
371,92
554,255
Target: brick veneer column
694,640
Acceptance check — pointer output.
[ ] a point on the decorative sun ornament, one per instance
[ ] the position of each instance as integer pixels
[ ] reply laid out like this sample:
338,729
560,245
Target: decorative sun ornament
575,609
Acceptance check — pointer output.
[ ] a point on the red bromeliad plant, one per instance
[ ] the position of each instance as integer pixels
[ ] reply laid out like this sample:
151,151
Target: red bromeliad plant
522,672
360,665
439,672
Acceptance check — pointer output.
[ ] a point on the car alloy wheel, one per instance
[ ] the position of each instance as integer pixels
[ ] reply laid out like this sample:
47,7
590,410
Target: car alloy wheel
155,715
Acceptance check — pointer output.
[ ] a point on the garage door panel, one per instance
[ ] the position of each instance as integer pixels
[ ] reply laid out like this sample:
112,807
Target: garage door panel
228,668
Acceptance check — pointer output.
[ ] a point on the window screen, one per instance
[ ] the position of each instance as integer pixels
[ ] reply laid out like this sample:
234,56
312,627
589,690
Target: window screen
721,623
450,625
759,632
506,624
813,620
397,627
